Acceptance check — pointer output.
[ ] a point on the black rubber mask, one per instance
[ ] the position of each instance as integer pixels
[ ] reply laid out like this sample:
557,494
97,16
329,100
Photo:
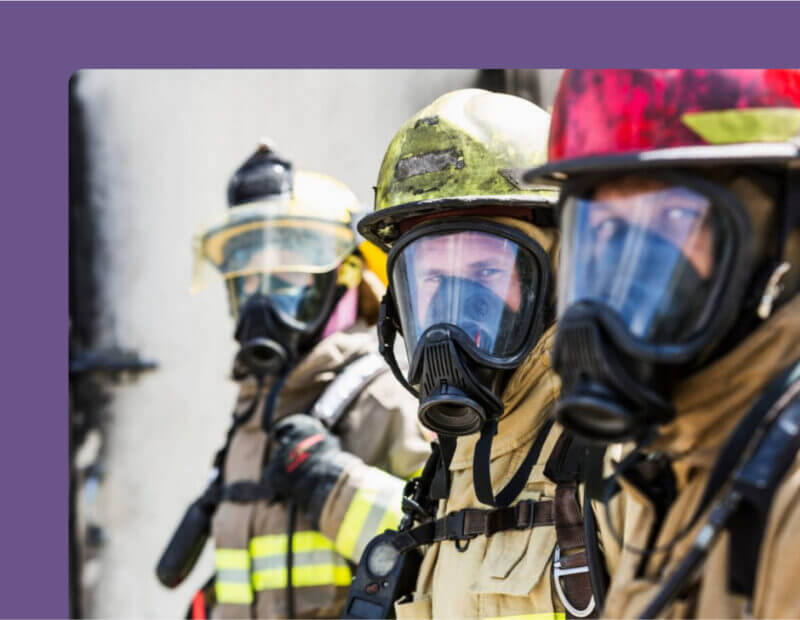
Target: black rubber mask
644,294
458,392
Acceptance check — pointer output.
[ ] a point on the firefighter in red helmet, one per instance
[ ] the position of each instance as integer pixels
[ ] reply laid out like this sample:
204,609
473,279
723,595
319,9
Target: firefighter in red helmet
679,325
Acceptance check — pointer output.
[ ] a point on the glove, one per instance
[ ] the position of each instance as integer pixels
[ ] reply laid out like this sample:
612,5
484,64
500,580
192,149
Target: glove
306,465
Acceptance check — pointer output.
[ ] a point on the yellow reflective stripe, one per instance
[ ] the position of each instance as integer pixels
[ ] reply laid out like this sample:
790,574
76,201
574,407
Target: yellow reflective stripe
416,474
227,559
353,521
542,616
391,519
275,544
303,576
371,512
233,593
745,125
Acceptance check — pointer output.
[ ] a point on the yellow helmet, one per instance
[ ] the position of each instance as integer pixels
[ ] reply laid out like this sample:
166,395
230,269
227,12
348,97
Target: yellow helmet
284,222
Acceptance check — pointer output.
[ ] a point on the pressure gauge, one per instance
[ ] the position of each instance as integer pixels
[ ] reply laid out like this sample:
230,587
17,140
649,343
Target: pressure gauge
382,558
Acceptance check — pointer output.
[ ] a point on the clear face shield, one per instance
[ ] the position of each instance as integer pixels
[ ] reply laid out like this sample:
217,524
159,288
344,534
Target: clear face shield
482,284
281,276
469,299
647,251
645,287
291,259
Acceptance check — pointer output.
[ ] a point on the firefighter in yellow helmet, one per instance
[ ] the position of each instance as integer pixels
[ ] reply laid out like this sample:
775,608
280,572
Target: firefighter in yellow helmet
497,525
303,301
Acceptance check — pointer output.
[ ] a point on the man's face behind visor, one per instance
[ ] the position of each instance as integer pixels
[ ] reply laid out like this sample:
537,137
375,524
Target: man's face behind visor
647,249
482,283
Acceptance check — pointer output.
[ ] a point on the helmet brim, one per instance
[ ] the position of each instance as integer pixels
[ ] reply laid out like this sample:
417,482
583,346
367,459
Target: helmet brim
382,227
762,153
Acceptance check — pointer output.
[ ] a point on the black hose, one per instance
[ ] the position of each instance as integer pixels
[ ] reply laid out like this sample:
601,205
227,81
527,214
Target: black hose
675,583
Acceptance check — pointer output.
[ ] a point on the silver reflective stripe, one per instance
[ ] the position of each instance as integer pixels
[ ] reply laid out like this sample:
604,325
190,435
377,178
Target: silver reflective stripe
230,575
302,558
384,498
342,392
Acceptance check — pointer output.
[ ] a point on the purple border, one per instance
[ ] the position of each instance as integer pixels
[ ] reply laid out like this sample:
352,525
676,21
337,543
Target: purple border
42,44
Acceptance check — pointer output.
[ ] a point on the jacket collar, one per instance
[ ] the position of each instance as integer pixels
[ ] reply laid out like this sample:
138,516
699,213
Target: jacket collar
710,403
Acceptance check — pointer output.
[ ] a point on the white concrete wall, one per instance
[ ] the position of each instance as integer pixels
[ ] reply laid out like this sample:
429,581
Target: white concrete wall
164,144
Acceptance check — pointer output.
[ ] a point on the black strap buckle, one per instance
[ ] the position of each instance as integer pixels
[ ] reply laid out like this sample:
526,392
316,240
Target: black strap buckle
454,530
526,514
454,525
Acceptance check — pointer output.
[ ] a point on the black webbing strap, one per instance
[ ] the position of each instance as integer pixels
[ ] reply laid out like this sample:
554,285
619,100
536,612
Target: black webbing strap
440,485
472,522
269,404
598,575
482,477
245,492
734,448
418,505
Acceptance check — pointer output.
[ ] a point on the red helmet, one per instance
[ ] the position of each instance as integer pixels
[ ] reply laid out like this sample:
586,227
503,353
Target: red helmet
614,119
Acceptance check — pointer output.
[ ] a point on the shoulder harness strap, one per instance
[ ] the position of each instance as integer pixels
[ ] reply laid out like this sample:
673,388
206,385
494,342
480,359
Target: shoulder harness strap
577,553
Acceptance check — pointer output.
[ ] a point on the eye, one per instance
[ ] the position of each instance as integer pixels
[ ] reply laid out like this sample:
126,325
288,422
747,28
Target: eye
488,272
681,214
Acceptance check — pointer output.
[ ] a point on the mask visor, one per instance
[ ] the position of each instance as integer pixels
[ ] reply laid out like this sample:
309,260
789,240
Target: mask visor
484,284
648,251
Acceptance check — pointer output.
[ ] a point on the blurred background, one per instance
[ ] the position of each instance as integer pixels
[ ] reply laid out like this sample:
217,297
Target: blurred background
151,153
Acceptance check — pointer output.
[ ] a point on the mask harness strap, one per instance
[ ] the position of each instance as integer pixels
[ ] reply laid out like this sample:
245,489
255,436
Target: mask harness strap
388,328
482,477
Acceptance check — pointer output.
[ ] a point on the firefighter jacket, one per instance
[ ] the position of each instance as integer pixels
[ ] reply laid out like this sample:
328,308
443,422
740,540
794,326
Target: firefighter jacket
709,405
250,538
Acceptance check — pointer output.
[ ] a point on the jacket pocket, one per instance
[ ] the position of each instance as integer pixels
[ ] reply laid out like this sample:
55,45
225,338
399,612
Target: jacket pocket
515,579
417,609
516,562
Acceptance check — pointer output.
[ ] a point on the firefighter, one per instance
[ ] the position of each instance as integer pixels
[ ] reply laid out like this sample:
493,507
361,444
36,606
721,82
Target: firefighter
303,293
499,513
679,326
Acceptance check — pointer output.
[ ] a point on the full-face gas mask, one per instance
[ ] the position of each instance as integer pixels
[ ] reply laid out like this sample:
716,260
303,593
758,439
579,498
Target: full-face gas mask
281,317
283,270
653,271
468,298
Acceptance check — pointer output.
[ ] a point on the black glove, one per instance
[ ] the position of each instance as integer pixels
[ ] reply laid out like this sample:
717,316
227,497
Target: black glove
306,465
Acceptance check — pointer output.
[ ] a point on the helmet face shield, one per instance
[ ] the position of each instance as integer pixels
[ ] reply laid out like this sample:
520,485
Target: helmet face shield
480,278
653,254
293,259
250,241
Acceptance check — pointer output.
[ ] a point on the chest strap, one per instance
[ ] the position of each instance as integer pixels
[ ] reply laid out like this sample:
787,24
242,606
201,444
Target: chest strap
473,522
572,577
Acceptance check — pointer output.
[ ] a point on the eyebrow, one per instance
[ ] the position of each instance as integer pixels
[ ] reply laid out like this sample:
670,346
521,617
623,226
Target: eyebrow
493,262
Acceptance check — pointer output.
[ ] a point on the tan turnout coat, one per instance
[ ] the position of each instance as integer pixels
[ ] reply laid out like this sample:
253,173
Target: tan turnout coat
250,539
709,405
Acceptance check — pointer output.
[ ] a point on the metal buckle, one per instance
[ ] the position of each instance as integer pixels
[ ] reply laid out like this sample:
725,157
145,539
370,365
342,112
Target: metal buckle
454,529
559,572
